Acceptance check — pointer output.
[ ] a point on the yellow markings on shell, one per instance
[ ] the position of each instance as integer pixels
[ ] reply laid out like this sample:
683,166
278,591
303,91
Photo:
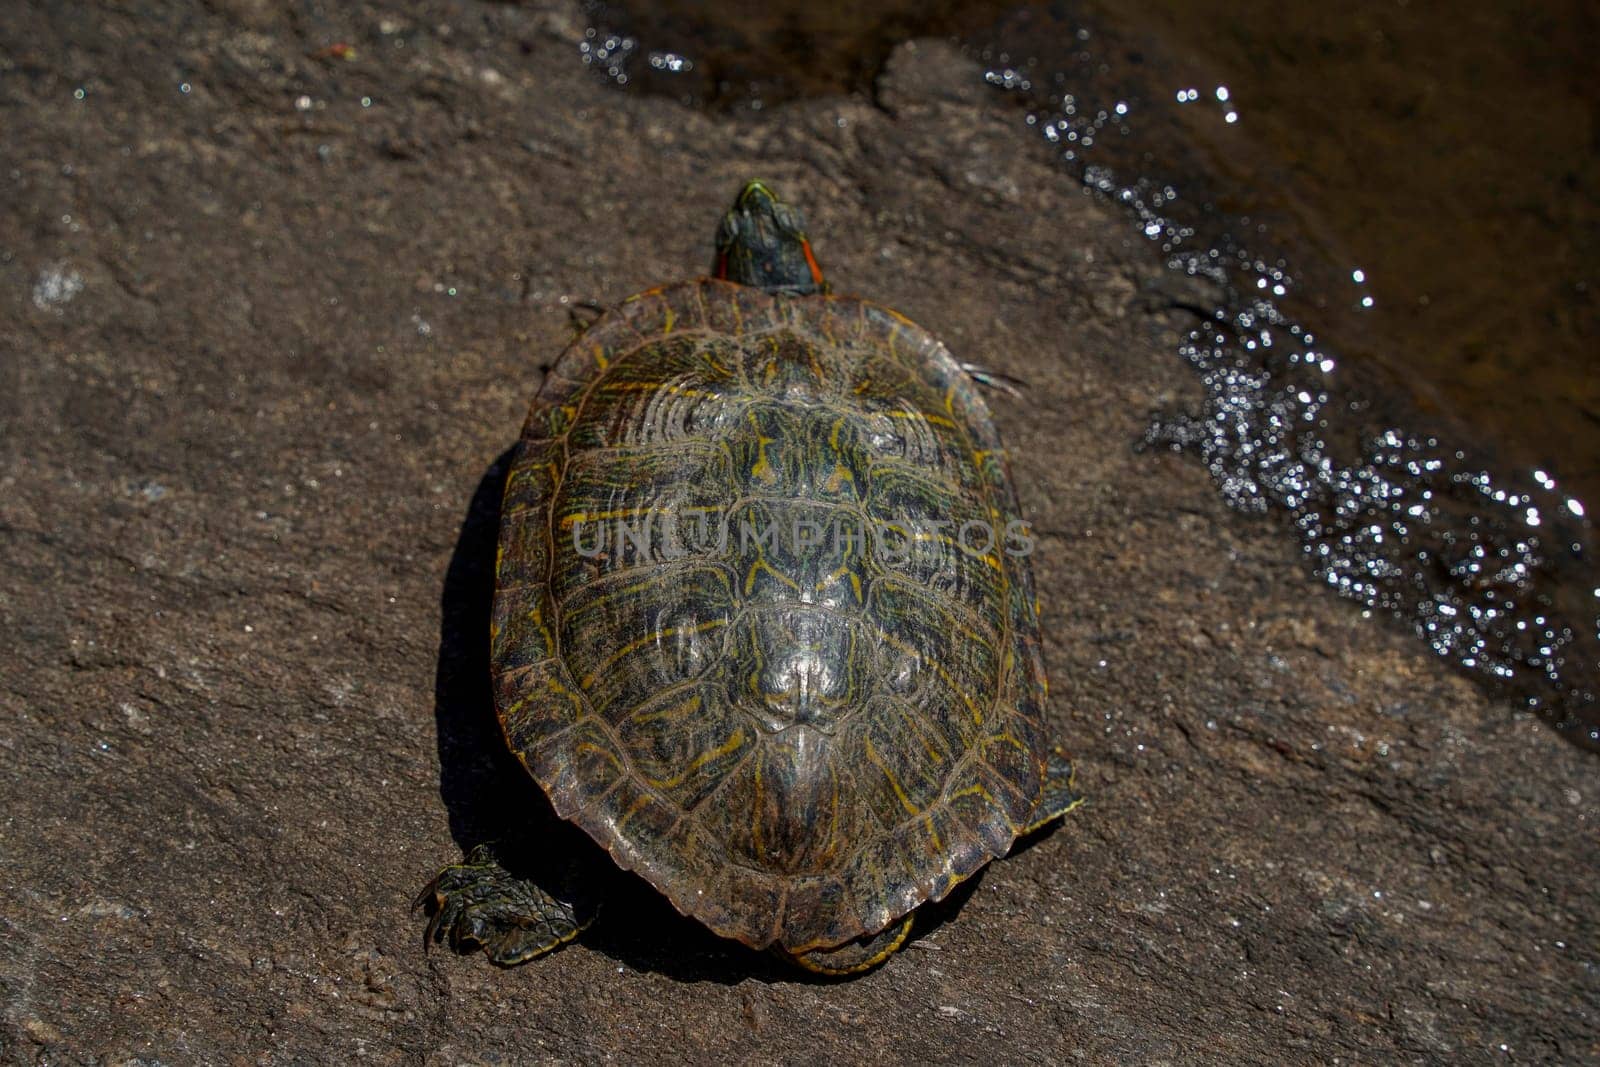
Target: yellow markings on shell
533,617
515,710
654,387
950,542
901,646
843,571
600,357
841,473
732,745
666,324
1007,739
762,565
569,521
920,728
938,845
763,470
536,617
555,688
894,783
638,805
648,639
818,371
917,416
643,586
671,712
895,527
584,747
831,837
977,789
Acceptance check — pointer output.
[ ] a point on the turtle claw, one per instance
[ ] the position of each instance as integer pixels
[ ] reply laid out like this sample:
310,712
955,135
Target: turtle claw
1009,384
480,904
582,314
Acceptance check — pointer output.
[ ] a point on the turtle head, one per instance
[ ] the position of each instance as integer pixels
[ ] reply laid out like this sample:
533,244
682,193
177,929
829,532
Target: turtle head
762,243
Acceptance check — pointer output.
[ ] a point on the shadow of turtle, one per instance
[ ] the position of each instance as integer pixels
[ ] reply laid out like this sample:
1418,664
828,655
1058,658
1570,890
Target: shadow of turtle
489,796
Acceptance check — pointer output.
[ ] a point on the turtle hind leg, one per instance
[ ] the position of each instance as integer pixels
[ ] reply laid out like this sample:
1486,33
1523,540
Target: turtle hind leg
1057,797
480,903
853,957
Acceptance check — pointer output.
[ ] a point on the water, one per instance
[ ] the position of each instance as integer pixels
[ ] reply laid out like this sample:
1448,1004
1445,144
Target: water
1442,486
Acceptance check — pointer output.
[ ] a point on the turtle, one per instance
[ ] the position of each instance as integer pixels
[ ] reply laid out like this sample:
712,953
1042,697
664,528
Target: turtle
764,624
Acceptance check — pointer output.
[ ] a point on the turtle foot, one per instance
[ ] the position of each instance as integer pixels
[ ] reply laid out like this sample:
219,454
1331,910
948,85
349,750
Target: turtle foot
854,957
1058,797
480,904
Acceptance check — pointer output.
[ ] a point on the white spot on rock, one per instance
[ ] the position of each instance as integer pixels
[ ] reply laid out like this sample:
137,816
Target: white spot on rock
57,284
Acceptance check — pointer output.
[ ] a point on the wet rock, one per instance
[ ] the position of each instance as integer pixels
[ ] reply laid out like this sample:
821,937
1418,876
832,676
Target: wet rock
247,505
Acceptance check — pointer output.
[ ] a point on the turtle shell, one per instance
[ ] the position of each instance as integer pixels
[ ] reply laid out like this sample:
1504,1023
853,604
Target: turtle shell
761,626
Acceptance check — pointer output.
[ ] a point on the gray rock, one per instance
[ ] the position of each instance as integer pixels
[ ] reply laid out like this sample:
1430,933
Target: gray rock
245,719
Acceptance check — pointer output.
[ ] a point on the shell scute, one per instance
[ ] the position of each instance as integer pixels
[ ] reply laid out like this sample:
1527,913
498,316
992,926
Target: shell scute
735,310
640,819
519,634
621,646
903,774
984,815
535,706
685,742
588,766
785,809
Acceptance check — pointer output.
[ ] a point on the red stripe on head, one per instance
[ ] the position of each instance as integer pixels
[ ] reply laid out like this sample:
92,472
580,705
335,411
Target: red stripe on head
811,261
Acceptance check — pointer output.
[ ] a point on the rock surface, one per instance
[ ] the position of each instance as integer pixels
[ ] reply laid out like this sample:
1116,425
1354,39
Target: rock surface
272,311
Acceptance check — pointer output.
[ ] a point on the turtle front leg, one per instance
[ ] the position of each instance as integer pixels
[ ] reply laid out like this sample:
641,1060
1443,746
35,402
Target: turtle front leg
480,903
